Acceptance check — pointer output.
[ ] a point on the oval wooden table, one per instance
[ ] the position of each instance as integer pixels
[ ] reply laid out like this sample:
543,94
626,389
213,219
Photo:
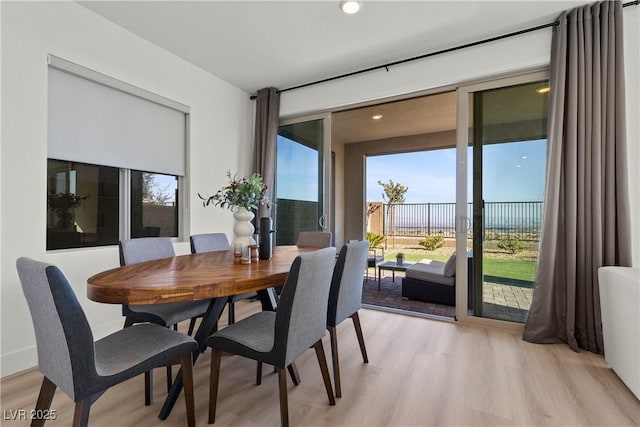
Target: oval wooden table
210,275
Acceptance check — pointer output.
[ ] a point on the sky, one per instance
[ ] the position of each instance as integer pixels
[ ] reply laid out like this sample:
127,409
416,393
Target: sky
297,174
512,172
166,184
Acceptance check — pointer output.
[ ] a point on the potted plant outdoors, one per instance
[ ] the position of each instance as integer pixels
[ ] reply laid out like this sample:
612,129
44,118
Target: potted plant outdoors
400,258
240,195
63,205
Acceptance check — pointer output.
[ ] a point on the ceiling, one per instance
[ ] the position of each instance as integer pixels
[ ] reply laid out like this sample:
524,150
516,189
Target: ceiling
415,116
256,44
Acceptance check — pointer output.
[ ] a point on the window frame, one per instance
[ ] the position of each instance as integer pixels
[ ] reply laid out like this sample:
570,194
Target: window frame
124,210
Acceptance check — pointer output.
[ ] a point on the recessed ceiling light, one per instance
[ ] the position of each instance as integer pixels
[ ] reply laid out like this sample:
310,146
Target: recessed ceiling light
523,157
543,89
376,116
350,6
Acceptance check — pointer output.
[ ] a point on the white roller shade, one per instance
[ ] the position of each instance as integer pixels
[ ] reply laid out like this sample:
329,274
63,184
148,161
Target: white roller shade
93,123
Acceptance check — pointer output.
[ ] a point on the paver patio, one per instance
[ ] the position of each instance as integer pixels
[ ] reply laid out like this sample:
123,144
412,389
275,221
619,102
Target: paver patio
503,301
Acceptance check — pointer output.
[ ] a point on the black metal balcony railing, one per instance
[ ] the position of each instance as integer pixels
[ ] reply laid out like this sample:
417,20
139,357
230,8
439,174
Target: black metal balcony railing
516,219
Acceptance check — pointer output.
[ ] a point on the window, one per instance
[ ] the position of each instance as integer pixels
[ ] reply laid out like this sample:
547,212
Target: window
82,205
154,207
116,159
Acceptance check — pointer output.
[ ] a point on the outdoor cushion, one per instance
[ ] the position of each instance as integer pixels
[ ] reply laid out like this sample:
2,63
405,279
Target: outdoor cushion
450,266
430,271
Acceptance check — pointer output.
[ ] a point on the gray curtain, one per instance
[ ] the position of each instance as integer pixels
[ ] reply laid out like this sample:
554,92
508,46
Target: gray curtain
264,147
586,221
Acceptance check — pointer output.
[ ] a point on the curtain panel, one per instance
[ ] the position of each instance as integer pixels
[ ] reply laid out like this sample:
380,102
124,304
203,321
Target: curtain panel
264,148
586,219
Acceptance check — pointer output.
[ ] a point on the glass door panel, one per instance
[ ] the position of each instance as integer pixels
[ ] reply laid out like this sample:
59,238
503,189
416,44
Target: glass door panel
300,179
508,136
501,153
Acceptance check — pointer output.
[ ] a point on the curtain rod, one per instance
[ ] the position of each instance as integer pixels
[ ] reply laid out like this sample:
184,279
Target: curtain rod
427,55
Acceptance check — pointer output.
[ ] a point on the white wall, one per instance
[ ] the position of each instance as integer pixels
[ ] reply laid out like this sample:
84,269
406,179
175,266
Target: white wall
221,135
509,55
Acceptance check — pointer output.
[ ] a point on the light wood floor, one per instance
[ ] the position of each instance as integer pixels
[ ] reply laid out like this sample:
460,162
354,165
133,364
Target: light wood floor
421,372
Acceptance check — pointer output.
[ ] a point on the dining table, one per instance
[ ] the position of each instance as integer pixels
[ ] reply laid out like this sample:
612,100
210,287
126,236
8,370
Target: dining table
213,276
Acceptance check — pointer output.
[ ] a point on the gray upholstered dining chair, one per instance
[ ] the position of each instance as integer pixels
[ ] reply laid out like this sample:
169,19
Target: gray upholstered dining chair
169,315
211,242
315,239
345,300
279,337
69,358
312,239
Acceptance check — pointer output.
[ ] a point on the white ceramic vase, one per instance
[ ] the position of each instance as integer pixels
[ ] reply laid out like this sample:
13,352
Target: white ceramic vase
243,229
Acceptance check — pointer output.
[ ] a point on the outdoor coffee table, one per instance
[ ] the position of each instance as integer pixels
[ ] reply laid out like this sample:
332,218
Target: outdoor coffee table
392,266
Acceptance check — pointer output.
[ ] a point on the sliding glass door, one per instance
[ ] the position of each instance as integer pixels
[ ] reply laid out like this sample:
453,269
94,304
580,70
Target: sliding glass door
502,153
302,178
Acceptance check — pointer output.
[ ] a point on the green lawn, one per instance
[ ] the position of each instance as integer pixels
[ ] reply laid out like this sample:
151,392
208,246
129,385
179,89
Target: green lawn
507,268
512,269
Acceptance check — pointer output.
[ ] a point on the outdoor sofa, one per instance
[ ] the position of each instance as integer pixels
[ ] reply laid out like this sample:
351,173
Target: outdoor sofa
434,281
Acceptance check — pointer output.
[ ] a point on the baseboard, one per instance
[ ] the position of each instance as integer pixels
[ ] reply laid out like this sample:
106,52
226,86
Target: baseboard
17,361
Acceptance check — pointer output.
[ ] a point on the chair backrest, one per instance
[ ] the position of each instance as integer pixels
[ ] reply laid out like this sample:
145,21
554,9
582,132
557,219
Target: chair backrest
301,317
314,239
209,242
63,336
345,296
145,249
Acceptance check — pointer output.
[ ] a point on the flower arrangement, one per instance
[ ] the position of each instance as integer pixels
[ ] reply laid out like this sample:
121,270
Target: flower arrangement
245,192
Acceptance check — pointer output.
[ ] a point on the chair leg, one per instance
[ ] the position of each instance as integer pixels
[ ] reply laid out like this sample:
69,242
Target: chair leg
169,378
284,404
187,381
322,361
232,312
47,390
295,375
216,355
81,413
169,370
259,373
293,371
148,388
333,335
192,325
356,324
148,376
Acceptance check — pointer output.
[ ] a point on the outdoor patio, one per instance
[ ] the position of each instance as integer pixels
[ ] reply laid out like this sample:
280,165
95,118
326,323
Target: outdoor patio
503,299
